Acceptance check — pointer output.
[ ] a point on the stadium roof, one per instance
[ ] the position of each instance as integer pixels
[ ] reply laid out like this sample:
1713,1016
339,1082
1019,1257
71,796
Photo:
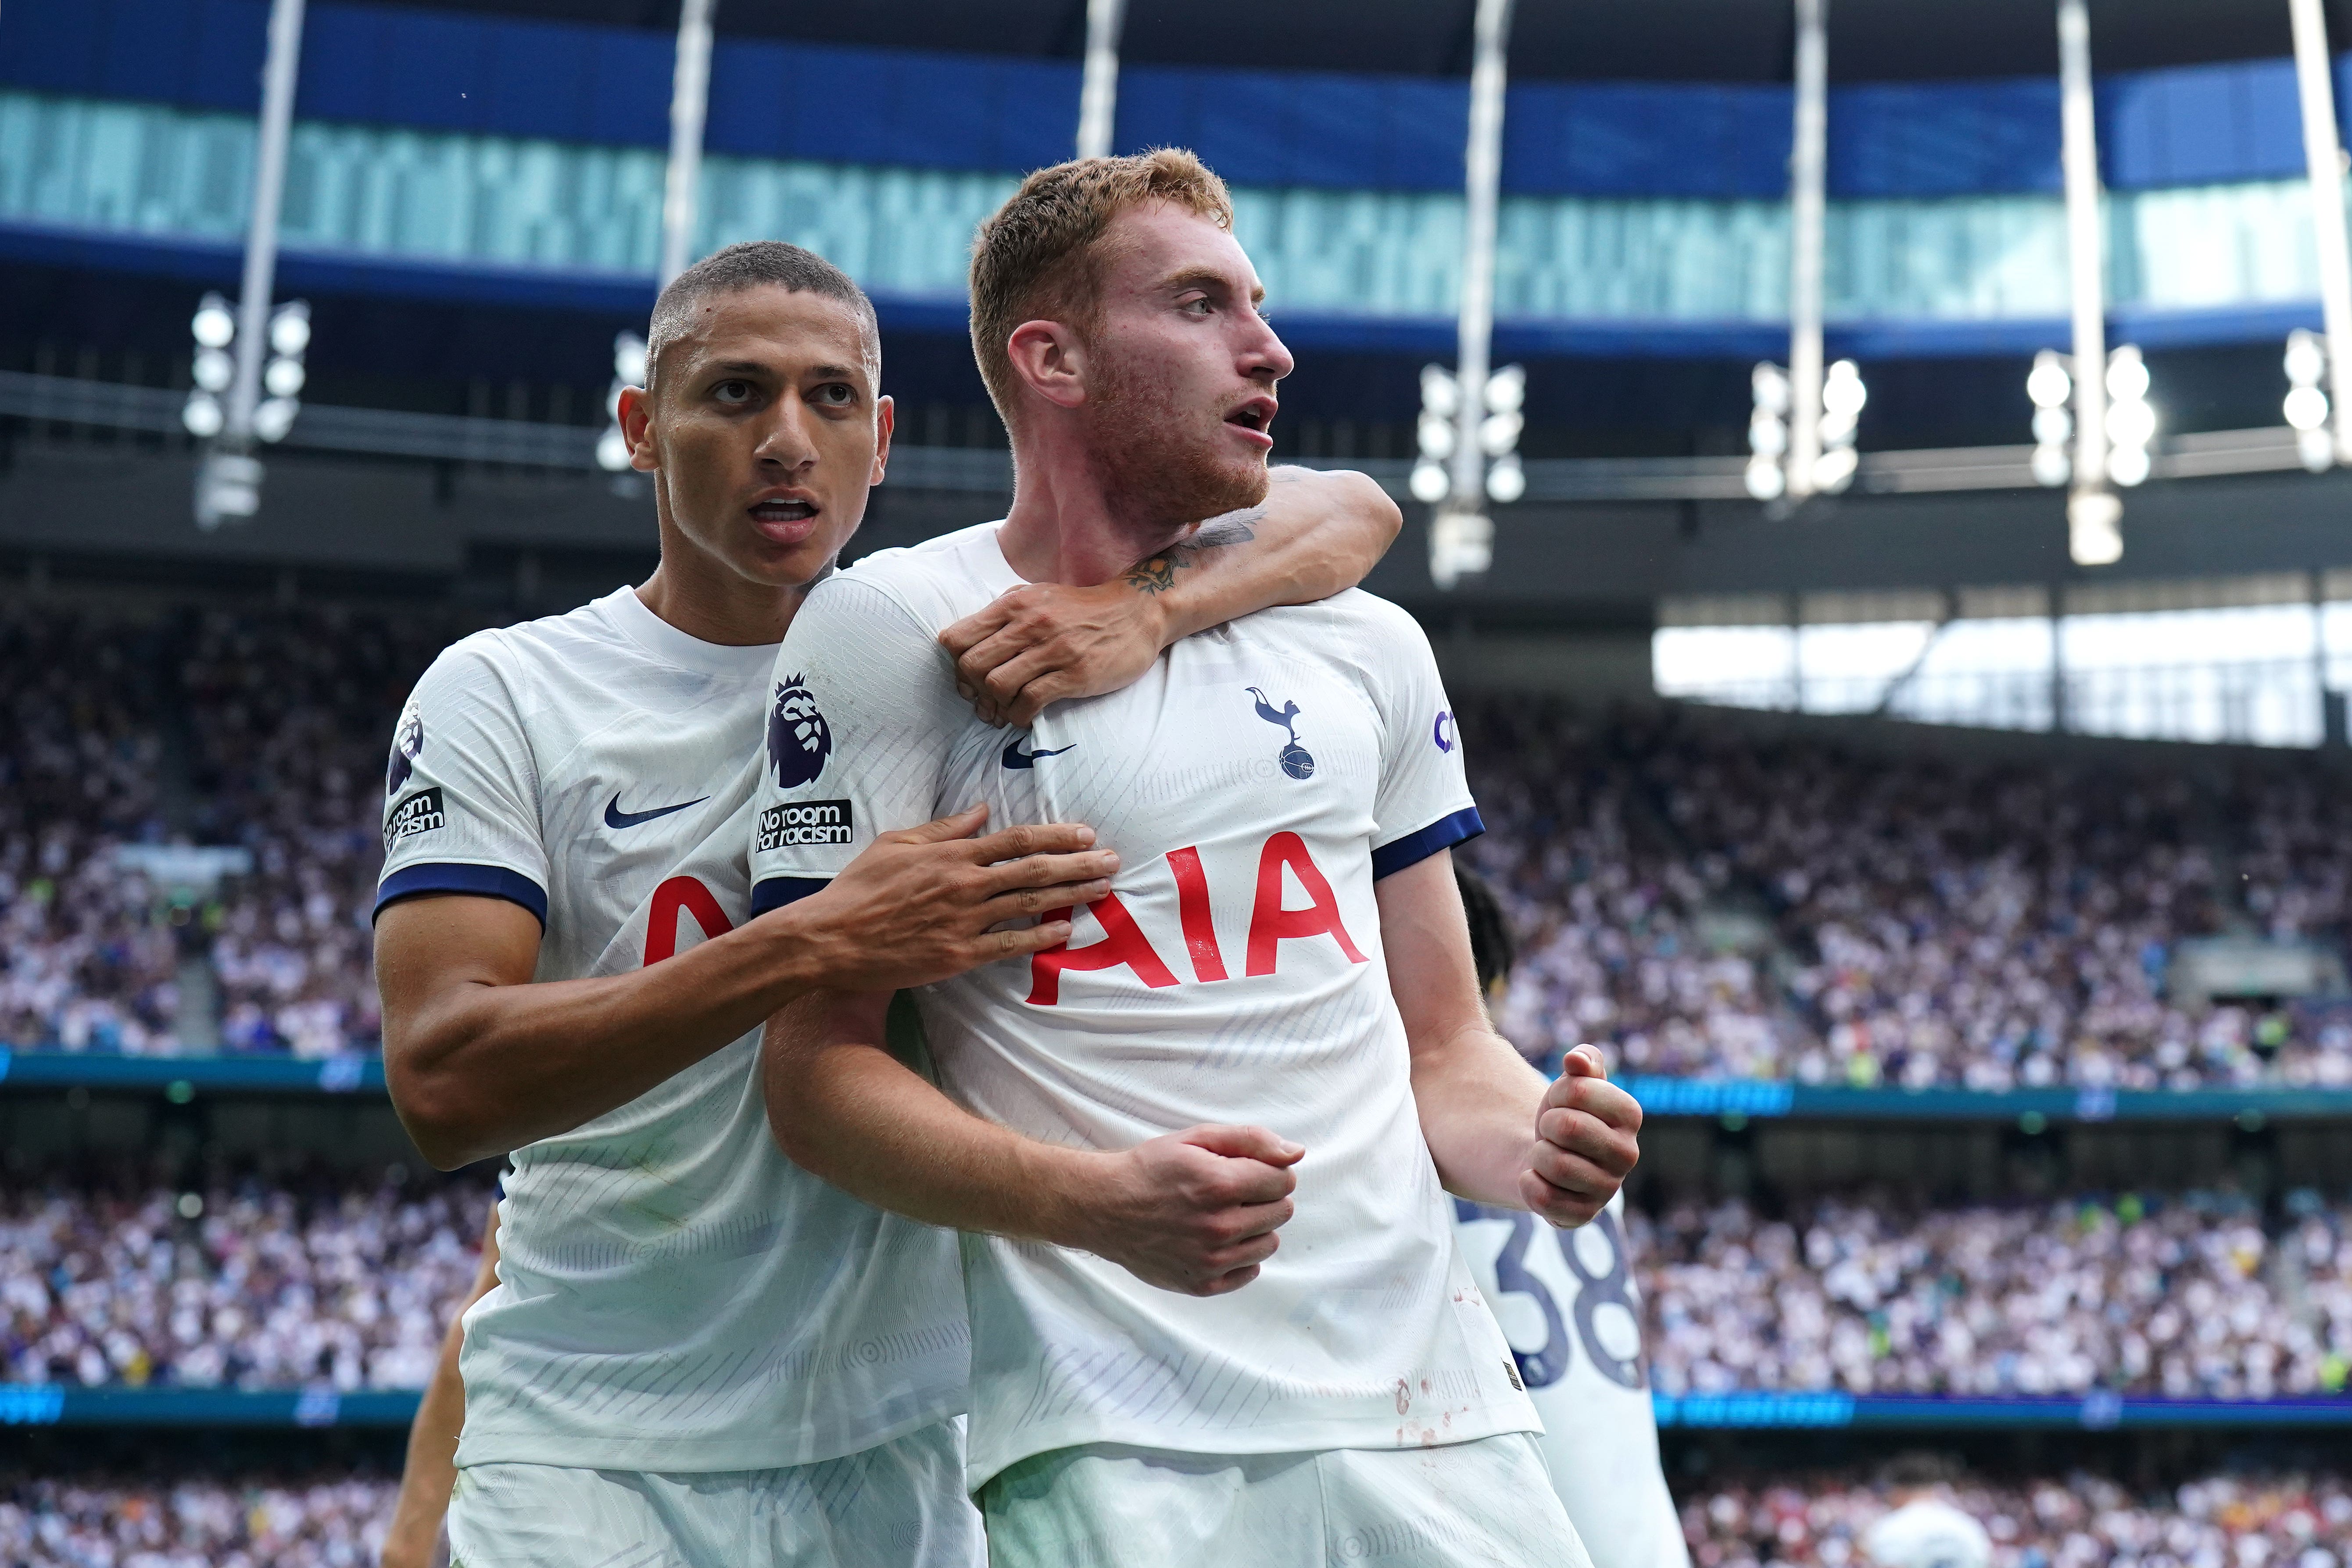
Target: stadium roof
1656,40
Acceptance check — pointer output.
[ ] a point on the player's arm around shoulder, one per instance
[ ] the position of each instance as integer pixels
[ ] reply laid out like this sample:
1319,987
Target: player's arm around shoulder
1316,533
482,1058
1498,1134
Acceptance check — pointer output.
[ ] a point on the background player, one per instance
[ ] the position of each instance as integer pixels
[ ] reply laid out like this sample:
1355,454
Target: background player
1157,1377
1926,1527
680,1357
1567,1302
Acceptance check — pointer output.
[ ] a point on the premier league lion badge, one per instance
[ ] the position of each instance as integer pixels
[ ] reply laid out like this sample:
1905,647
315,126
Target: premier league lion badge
798,740
407,742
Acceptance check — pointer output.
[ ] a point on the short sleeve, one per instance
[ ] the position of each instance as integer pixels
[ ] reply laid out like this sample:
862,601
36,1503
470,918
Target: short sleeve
1424,802
861,712
461,790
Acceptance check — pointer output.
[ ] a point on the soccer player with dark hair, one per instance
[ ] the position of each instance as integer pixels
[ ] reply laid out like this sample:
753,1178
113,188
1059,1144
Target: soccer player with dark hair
1587,1374
695,1353
1202,1148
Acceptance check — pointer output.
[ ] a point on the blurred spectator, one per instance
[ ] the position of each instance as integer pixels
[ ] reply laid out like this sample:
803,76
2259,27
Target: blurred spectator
342,1285
265,731
87,1522
2082,1521
292,716
1701,902
1710,904
2182,1298
80,964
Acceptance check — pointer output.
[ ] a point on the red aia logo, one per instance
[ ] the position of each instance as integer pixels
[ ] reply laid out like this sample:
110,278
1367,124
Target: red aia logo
1124,944
681,895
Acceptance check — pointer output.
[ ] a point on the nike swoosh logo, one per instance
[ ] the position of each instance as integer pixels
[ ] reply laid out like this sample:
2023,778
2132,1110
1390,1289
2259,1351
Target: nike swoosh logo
616,818
1014,757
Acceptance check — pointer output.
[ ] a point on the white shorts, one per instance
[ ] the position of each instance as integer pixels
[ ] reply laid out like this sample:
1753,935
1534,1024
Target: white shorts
901,1505
1102,1506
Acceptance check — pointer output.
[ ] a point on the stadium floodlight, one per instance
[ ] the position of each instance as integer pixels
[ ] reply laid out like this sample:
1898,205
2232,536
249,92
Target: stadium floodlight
1843,397
1497,424
2095,534
2051,386
628,371
1435,435
2050,383
1506,390
1768,432
283,378
213,327
2306,406
214,324
1507,479
2131,419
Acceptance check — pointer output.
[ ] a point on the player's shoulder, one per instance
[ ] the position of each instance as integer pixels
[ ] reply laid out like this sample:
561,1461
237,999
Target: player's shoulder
1356,610
512,655
1367,632
930,584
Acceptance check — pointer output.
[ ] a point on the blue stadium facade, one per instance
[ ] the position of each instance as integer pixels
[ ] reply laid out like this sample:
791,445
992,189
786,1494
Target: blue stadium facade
459,160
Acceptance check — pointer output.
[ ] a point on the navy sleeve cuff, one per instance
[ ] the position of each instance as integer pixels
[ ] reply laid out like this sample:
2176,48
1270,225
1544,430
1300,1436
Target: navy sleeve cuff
483,881
1442,834
777,892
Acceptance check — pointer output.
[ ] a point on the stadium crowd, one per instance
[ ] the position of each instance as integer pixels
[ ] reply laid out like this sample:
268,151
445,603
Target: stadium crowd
1705,902
328,1284
101,1520
1814,1520
2184,1298
1697,900
259,733
1818,1520
348,1284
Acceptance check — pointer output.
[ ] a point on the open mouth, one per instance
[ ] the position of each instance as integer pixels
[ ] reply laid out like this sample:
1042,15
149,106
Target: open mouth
782,511
1254,415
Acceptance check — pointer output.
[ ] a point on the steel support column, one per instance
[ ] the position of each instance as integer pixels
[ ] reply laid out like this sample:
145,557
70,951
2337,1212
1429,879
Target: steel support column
2093,510
1099,97
1482,163
689,108
2323,153
1808,216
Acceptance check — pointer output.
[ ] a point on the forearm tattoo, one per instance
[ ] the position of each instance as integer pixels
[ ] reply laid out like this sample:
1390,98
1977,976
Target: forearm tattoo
1157,574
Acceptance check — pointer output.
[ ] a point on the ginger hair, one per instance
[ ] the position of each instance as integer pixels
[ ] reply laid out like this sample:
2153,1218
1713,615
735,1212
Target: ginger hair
1041,256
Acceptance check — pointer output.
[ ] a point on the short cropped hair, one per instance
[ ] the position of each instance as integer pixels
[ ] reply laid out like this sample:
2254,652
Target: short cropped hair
1039,256
747,265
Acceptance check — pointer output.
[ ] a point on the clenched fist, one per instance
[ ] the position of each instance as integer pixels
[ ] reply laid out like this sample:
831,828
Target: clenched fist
1194,1212
1584,1145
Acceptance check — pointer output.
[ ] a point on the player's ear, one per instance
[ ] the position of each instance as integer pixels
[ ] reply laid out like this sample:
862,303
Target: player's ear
1048,359
636,412
885,418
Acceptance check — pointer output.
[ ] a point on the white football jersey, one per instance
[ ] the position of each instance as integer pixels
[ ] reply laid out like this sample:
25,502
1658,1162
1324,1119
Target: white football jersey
1927,1532
673,1294
1254,782
1569,1305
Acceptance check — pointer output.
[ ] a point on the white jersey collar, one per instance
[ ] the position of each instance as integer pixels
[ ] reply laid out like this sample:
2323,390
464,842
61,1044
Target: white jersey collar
629,616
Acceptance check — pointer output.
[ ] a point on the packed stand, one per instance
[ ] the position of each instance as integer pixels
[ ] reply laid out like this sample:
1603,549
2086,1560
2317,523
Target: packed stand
291,716
1609,911
100,1520
1820,1521
2185,1298
334,1285
1709,904
82,963
256,738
